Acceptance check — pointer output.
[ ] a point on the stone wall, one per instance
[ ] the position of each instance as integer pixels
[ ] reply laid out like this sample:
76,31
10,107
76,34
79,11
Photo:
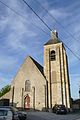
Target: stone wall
56,73
29,71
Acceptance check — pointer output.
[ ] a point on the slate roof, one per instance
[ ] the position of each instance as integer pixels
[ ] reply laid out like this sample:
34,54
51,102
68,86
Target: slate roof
53,41
38,65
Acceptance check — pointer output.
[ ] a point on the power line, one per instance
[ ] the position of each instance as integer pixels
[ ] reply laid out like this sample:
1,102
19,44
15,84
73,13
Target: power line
71,51
36,26
48,28
56,20
17,13
37,15
11,9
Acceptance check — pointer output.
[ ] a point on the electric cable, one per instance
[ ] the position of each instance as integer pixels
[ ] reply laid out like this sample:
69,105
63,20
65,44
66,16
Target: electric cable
37,26
17,13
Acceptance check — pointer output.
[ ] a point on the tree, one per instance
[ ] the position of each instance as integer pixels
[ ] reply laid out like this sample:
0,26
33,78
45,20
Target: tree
4,90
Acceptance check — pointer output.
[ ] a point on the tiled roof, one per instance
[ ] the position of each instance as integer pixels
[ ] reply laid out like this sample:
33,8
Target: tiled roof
38,65
53,41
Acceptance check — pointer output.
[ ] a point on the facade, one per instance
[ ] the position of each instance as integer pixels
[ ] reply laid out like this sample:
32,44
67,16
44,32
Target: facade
37,87
28,87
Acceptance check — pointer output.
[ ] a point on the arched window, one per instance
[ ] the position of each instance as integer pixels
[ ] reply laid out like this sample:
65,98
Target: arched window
27,85
52,55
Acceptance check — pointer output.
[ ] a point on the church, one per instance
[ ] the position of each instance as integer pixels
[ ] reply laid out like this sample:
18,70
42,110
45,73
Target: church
37,87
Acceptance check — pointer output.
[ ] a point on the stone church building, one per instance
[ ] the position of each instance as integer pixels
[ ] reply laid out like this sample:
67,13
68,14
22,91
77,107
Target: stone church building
40,87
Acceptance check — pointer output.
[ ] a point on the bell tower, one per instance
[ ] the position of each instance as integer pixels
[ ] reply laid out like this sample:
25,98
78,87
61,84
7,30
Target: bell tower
56,72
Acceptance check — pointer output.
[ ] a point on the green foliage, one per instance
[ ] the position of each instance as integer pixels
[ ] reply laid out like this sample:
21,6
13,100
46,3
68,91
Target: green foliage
4,90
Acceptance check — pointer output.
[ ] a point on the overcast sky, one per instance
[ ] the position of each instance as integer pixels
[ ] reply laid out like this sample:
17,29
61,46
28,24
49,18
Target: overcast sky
22,36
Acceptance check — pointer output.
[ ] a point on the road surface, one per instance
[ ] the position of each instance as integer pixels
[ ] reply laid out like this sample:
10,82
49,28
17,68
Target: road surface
51,116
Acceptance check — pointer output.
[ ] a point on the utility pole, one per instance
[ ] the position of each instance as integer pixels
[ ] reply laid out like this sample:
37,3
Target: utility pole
79,96
79,92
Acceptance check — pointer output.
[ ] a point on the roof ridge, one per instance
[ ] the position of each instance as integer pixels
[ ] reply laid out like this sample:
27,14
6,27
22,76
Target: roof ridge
40,67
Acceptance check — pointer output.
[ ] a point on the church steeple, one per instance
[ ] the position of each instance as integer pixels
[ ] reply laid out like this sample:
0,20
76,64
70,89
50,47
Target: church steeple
56,71
54,38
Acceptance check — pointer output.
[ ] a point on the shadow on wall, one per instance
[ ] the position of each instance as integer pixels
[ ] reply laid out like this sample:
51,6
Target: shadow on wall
4,102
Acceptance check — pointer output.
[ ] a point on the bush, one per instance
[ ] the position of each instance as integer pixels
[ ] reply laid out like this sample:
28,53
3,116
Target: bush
4,90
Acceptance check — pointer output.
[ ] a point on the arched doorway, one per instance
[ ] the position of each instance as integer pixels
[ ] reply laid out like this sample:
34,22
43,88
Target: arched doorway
27,102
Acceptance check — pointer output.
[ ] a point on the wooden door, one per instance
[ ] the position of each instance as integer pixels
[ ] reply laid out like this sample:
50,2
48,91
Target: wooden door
27,102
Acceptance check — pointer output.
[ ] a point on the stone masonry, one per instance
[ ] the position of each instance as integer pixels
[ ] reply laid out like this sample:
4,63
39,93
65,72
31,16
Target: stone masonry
56,72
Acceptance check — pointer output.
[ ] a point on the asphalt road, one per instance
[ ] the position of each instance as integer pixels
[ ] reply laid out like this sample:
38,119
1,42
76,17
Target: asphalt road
51,116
